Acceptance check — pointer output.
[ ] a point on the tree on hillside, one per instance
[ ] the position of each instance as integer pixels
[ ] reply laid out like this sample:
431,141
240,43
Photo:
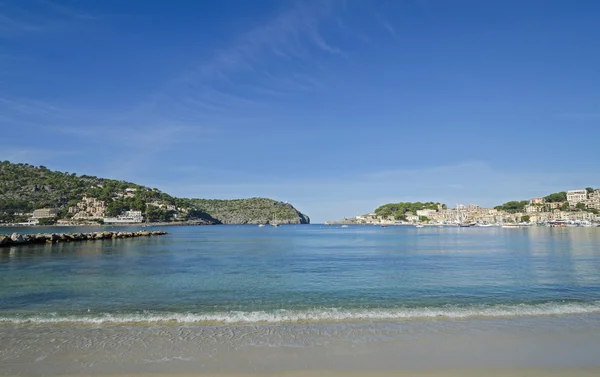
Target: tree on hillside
564,207
525,219
581,206
589,190
556,197
512,206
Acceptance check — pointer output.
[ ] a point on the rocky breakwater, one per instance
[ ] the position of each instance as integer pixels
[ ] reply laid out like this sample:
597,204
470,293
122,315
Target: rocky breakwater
25,239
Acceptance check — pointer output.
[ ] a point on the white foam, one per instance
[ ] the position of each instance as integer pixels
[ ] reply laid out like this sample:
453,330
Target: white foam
318,315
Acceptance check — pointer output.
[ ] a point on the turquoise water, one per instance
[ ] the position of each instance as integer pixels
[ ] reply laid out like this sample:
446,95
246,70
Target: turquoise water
303,273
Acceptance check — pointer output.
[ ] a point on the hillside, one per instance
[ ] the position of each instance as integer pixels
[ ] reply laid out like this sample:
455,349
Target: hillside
399,210
25,188
250,211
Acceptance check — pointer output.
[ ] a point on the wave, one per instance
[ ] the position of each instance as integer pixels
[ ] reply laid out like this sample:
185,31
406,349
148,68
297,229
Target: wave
316,315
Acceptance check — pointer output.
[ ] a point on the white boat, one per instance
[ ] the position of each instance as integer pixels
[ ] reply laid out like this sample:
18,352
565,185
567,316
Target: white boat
485,225
344,226
510,226
261,225
419,226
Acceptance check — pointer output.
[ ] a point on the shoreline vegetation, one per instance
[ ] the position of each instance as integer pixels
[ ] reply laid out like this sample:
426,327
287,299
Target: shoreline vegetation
17,239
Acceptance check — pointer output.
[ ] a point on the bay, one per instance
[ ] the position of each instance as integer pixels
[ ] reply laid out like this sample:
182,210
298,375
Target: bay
247,274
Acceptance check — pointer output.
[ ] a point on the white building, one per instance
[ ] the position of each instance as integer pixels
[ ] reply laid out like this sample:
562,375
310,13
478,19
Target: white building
44,213
426,212
576,196
127,217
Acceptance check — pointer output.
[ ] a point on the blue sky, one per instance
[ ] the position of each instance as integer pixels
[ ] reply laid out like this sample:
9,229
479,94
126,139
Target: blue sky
335,106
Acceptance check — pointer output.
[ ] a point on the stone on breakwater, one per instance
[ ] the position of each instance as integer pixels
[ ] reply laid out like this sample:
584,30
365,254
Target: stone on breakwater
18,239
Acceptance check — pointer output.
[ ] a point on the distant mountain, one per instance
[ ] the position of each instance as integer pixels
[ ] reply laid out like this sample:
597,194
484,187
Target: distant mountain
24,188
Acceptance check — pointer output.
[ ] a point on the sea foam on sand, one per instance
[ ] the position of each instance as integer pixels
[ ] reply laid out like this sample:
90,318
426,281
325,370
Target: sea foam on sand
523,346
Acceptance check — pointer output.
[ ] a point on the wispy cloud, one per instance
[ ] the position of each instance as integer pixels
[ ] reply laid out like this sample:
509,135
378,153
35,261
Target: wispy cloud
289,42
45,16
386,25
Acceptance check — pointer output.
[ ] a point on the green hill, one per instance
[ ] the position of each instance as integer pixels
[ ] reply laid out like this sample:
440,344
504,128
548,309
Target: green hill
399,210
24,188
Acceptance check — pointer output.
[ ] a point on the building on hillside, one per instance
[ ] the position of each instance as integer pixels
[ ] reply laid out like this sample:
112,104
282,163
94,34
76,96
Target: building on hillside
88,208
472,207
461,207
44,213
533,209
576,196
412,217
426,212
554,205
537,201
593,202
126,217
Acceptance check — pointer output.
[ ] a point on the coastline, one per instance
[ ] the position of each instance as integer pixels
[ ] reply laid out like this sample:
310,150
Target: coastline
559,345
96,225
504,372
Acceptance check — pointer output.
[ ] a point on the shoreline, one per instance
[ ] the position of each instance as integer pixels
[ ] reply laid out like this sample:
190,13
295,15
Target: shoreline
562,345
497,372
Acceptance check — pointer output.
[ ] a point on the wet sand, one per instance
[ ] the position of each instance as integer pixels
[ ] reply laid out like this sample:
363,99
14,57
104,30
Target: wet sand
561,346
397,373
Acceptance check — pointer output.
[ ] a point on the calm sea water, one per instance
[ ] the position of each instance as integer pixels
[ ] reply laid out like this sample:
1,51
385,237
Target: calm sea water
303,273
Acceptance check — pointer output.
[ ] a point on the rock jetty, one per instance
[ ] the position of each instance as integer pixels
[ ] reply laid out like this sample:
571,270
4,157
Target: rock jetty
25,239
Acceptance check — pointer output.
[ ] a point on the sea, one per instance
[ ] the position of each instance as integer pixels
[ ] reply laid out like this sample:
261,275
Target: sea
296,273
261,299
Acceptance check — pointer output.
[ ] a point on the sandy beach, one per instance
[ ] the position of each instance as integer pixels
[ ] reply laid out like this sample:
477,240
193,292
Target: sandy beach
556,346
396,373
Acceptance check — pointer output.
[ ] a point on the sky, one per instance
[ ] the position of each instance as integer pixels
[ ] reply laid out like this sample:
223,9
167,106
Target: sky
334,106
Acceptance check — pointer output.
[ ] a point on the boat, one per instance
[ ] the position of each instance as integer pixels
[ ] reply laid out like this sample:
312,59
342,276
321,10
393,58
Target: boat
419,226
275,225
485,225
510,226
464,225
383,226
261,225
344,226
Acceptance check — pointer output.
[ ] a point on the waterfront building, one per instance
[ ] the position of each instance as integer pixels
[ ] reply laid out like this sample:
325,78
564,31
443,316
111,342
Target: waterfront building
126,217
426,212
44,213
